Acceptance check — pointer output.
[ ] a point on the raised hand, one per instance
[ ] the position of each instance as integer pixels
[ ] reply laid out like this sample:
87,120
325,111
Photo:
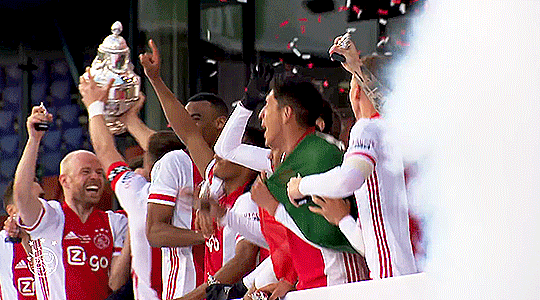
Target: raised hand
352,61
151,61
39,115
258,86
91,91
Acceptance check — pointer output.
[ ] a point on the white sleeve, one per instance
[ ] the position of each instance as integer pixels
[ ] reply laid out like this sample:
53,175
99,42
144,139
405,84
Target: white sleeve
131,190
352,231
119,225
244,218
359,161
50,223
229,144
171,175
262,275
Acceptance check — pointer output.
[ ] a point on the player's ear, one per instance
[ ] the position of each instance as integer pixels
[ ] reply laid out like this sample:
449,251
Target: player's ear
62,178
220,122
286,114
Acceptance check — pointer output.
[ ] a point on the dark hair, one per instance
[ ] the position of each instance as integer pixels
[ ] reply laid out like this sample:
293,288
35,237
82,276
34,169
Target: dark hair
332,121
215,100
162,142
301,95
254,137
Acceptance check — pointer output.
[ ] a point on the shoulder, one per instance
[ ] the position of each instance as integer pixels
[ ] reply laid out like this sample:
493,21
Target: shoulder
172,161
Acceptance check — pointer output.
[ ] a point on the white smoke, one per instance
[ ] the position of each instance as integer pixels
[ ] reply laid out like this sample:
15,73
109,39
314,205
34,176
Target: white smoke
467,106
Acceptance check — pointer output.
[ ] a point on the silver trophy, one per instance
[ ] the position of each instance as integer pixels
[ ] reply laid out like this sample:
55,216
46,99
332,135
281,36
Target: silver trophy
113,62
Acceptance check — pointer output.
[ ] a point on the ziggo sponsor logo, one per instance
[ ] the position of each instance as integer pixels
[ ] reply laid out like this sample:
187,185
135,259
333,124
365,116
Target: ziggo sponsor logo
76,256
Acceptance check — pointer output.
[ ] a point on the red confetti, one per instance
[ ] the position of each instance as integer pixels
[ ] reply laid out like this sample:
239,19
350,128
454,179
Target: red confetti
302,19
325,83
245,89
396,1
356,9
289,46
284,23
303,29
310,66
319,19
277,36
343,8
341,90
382,12
403,44
403,32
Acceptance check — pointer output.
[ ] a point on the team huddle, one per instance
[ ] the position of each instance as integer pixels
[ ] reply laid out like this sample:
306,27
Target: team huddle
218,210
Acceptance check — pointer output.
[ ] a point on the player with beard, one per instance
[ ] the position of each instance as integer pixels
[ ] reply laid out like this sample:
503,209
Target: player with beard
74,245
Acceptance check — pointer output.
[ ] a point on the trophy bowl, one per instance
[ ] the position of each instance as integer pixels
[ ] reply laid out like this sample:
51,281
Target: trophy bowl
113,62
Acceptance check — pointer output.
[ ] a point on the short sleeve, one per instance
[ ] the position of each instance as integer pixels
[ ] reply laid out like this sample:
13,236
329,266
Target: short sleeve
50,222
131,189
363,140
119,226
171,175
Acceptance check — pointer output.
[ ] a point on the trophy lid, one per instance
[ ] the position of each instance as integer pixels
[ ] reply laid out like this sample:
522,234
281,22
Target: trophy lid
114,43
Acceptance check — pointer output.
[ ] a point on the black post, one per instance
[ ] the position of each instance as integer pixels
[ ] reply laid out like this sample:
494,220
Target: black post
194,45
27,67
248,39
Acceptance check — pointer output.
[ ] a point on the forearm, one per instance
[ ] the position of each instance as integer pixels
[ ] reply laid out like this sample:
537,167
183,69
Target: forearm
353,232
339,182
231,135
139,131
29,207
120,268
161,234
103,142
175,112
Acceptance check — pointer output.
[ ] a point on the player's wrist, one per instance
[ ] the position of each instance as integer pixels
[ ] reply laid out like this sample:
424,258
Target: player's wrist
96,108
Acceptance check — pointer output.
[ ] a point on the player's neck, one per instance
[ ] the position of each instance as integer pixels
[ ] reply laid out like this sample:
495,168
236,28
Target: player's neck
81,209
291,136
367,109
232,184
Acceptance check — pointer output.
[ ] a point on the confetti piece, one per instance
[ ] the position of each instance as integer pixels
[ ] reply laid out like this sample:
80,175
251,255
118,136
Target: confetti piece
295,70
211,61
303,29
325,83
403,8
284,23
213,74
343,8
297,52
302,19
319,19
277,36
342,90
383,21
310,66
382,12
306,56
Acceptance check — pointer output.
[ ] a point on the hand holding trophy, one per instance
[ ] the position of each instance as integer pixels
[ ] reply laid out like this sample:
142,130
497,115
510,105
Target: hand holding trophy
113,63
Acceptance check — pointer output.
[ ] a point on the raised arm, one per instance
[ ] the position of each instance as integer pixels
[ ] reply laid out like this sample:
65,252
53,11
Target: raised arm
177,115
136,126
93,97
28,204
229,144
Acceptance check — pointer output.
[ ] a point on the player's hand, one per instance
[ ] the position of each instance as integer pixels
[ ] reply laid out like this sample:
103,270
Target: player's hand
39,115
10,226
293,189
133,111
204,223
151,61
91,91
262,196
352,61
258,86
332,209
278,289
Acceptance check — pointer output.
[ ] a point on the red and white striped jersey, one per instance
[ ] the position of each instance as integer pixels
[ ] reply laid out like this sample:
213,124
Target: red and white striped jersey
16,278
382,201
132,192
173,178
65,250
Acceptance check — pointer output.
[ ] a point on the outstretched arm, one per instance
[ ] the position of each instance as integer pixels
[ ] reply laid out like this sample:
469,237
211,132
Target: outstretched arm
135,125
94,98
177,115
28,204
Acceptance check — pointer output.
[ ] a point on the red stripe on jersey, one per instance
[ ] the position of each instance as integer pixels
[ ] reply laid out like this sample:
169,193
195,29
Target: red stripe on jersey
347,266
42,272
173,274
40,217
383,229
371,159
135,285
162,197
117,176
385,263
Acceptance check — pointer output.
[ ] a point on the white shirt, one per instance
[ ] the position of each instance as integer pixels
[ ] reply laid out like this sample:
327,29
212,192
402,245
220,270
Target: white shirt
66,250
172,184
132,191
